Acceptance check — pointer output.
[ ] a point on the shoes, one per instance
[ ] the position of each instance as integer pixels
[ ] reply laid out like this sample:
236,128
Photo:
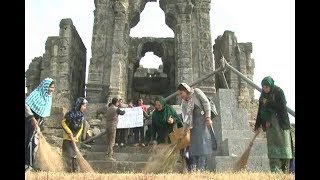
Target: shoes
111,159
136,145
116,144
142,144
121,144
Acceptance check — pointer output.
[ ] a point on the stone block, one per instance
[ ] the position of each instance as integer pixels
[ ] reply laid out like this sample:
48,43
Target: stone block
236,134
117,166
254,163
93,109
240,119
126,149
135,157
57,115
226,118
226,98
94,122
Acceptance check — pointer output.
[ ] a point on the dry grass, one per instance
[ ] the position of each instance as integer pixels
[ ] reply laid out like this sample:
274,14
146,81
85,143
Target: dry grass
96,176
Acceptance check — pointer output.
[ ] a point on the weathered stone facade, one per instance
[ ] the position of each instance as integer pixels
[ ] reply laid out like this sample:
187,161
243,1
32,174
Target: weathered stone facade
114,71
186,57
237,55
64,60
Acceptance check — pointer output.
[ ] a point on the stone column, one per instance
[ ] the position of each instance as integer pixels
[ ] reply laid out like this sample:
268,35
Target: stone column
95,85
183,43
118,74
202,36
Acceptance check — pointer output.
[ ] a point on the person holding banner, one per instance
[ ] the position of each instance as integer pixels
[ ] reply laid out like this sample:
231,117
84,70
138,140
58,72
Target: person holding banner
112,114
139,131
122,134
163,119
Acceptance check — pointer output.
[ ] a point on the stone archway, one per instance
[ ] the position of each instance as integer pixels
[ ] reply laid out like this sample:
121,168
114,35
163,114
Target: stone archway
190,49
147,83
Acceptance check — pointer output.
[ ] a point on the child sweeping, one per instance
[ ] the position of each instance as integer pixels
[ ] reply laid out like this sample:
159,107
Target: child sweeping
72,125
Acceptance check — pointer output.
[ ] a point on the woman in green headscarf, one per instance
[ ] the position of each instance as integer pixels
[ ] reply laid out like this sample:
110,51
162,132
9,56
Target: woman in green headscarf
273,117
163,119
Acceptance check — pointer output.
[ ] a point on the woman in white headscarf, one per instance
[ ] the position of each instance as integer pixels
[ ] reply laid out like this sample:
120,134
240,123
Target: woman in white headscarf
37,106
196,114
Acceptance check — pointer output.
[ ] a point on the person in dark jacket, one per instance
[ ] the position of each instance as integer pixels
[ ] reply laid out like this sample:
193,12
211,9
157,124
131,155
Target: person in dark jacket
273,117
37,106
72,125
163,119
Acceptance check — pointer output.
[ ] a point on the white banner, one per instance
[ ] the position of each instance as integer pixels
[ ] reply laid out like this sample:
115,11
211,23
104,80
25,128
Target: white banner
132,118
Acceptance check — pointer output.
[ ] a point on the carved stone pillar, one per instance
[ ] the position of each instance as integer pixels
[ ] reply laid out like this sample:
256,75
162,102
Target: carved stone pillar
95,85
118,74
203,45
183,43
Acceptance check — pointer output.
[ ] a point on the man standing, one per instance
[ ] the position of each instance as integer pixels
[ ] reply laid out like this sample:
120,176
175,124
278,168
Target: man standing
112,121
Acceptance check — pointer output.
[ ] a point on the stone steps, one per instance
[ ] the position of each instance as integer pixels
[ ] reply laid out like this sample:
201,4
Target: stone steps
136,157
126,149
104,166
237,146
254,163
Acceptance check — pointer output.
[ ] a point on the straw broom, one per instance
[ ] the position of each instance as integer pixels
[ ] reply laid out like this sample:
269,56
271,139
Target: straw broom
165,159
83,163
241,163
47,158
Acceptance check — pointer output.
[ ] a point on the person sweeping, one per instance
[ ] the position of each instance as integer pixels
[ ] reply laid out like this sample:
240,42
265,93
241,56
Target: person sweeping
273,117
37,107
72,125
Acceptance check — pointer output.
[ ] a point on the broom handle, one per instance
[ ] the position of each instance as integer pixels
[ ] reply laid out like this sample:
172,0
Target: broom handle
254,137
75,146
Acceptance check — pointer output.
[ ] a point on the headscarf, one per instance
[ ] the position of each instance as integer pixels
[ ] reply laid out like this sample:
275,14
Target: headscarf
265,112
187,114
75,117
39,99
163,115
267,81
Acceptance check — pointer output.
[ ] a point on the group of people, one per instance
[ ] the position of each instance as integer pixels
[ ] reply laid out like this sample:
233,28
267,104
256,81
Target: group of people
37,107
272,117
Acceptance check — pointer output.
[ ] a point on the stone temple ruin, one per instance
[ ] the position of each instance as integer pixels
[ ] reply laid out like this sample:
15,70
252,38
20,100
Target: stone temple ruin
114,71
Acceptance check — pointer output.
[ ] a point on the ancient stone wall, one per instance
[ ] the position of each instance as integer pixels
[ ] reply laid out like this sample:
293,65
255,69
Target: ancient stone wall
114,57
64,60
238,55
33,73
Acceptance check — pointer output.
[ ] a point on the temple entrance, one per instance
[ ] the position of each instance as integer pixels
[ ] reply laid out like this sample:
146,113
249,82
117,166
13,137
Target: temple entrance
156,78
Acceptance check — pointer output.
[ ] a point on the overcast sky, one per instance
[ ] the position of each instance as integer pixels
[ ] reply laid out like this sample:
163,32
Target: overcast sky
269,25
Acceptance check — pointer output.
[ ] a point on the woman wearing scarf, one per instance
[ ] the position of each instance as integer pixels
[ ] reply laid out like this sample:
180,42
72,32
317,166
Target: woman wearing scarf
273,117
163,119
196,115
37,106
72,126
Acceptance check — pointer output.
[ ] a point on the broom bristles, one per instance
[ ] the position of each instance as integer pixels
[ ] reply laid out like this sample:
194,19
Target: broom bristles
163,158
83,164
241,163
47,158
